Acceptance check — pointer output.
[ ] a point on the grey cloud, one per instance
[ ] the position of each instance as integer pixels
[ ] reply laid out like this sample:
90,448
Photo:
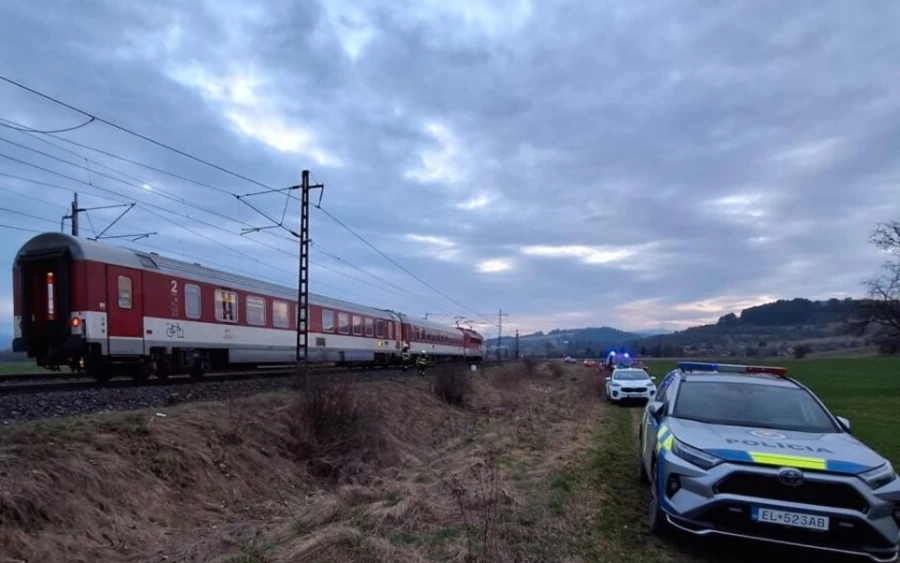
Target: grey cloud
592,124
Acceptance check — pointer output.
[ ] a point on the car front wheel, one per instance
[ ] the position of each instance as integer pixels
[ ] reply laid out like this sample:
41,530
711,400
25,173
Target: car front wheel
643,478
656,518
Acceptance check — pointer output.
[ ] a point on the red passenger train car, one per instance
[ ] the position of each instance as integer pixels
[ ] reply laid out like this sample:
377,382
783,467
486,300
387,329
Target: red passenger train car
108,309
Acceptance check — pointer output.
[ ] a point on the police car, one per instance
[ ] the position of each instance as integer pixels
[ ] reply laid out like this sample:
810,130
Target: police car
629,383
745,451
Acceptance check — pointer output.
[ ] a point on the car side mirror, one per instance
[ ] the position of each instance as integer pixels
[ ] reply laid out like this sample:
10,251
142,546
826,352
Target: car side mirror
656,409
607,379
845,422
652,378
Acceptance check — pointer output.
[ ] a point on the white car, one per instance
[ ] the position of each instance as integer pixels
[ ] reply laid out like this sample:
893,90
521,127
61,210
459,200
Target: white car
630,383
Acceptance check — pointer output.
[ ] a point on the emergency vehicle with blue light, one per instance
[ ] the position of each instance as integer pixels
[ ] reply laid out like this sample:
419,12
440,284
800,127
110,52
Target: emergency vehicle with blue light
745,451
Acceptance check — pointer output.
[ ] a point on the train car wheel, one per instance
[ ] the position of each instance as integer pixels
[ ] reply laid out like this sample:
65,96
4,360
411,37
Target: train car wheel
161,369
102,375
98,369
199,366
142,371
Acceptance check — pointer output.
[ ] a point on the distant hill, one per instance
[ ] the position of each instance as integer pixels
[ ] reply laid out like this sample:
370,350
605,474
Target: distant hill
772,329
580,342
5,341
653,332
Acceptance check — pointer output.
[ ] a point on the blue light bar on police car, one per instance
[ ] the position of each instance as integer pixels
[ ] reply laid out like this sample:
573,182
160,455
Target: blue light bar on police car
730,368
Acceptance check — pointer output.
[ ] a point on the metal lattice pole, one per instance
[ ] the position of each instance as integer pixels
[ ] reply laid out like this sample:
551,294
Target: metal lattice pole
303,281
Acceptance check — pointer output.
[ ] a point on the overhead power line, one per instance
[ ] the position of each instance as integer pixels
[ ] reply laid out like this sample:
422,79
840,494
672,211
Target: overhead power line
121,158
139,185
231,173
398,265
23,229
131,132
162,193
25,129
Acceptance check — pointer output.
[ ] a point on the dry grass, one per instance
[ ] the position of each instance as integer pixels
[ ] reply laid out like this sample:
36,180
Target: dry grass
451,384
335,430
388,471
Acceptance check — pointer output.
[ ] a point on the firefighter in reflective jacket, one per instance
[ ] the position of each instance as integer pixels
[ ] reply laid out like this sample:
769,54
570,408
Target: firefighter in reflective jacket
421,362
405,356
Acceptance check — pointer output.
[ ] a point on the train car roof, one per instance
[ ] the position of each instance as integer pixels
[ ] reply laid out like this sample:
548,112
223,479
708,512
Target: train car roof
471,332
425,323
85,249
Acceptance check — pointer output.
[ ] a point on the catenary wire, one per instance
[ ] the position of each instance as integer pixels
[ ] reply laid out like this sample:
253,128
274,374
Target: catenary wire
235,174
162,193
25,129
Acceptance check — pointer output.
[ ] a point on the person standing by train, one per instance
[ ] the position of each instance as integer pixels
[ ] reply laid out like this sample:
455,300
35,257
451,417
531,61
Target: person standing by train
421,362
405,356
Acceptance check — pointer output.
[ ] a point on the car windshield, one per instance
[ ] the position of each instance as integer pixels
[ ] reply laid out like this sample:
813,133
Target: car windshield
630,375
748,404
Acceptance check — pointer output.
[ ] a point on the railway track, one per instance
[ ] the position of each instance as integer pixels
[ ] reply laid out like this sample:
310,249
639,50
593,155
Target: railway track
56,385
55,382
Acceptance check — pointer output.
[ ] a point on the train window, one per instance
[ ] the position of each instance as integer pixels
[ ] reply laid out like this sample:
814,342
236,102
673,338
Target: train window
192,301
390,330
226,306
370,327
124,292
343,323
357,326
418,333
327,320
379,328
280,314
256,311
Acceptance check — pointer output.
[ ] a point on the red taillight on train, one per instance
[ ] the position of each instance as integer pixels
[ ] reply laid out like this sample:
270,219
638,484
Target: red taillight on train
76,322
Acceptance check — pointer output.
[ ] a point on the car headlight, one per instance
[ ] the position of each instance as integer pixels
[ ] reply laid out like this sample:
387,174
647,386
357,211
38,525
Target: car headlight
880,476
691,454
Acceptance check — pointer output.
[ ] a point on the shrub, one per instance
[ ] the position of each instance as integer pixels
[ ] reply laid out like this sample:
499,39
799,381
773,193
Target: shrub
451,384
801,350
333,426
556,369
508,376
530,365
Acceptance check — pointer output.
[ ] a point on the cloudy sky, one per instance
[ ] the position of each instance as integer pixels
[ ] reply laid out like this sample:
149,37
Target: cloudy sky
622,163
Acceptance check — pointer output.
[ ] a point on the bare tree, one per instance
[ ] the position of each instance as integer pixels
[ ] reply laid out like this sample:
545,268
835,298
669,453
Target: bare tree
879,314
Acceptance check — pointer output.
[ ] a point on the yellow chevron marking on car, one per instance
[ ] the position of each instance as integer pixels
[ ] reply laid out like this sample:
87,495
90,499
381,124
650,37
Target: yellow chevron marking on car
662,430
791,460
667,443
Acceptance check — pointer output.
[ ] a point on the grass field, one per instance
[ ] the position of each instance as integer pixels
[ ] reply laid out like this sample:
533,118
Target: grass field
19,367
865,390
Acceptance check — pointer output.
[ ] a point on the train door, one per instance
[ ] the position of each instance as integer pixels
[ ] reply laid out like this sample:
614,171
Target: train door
44,298
124,311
